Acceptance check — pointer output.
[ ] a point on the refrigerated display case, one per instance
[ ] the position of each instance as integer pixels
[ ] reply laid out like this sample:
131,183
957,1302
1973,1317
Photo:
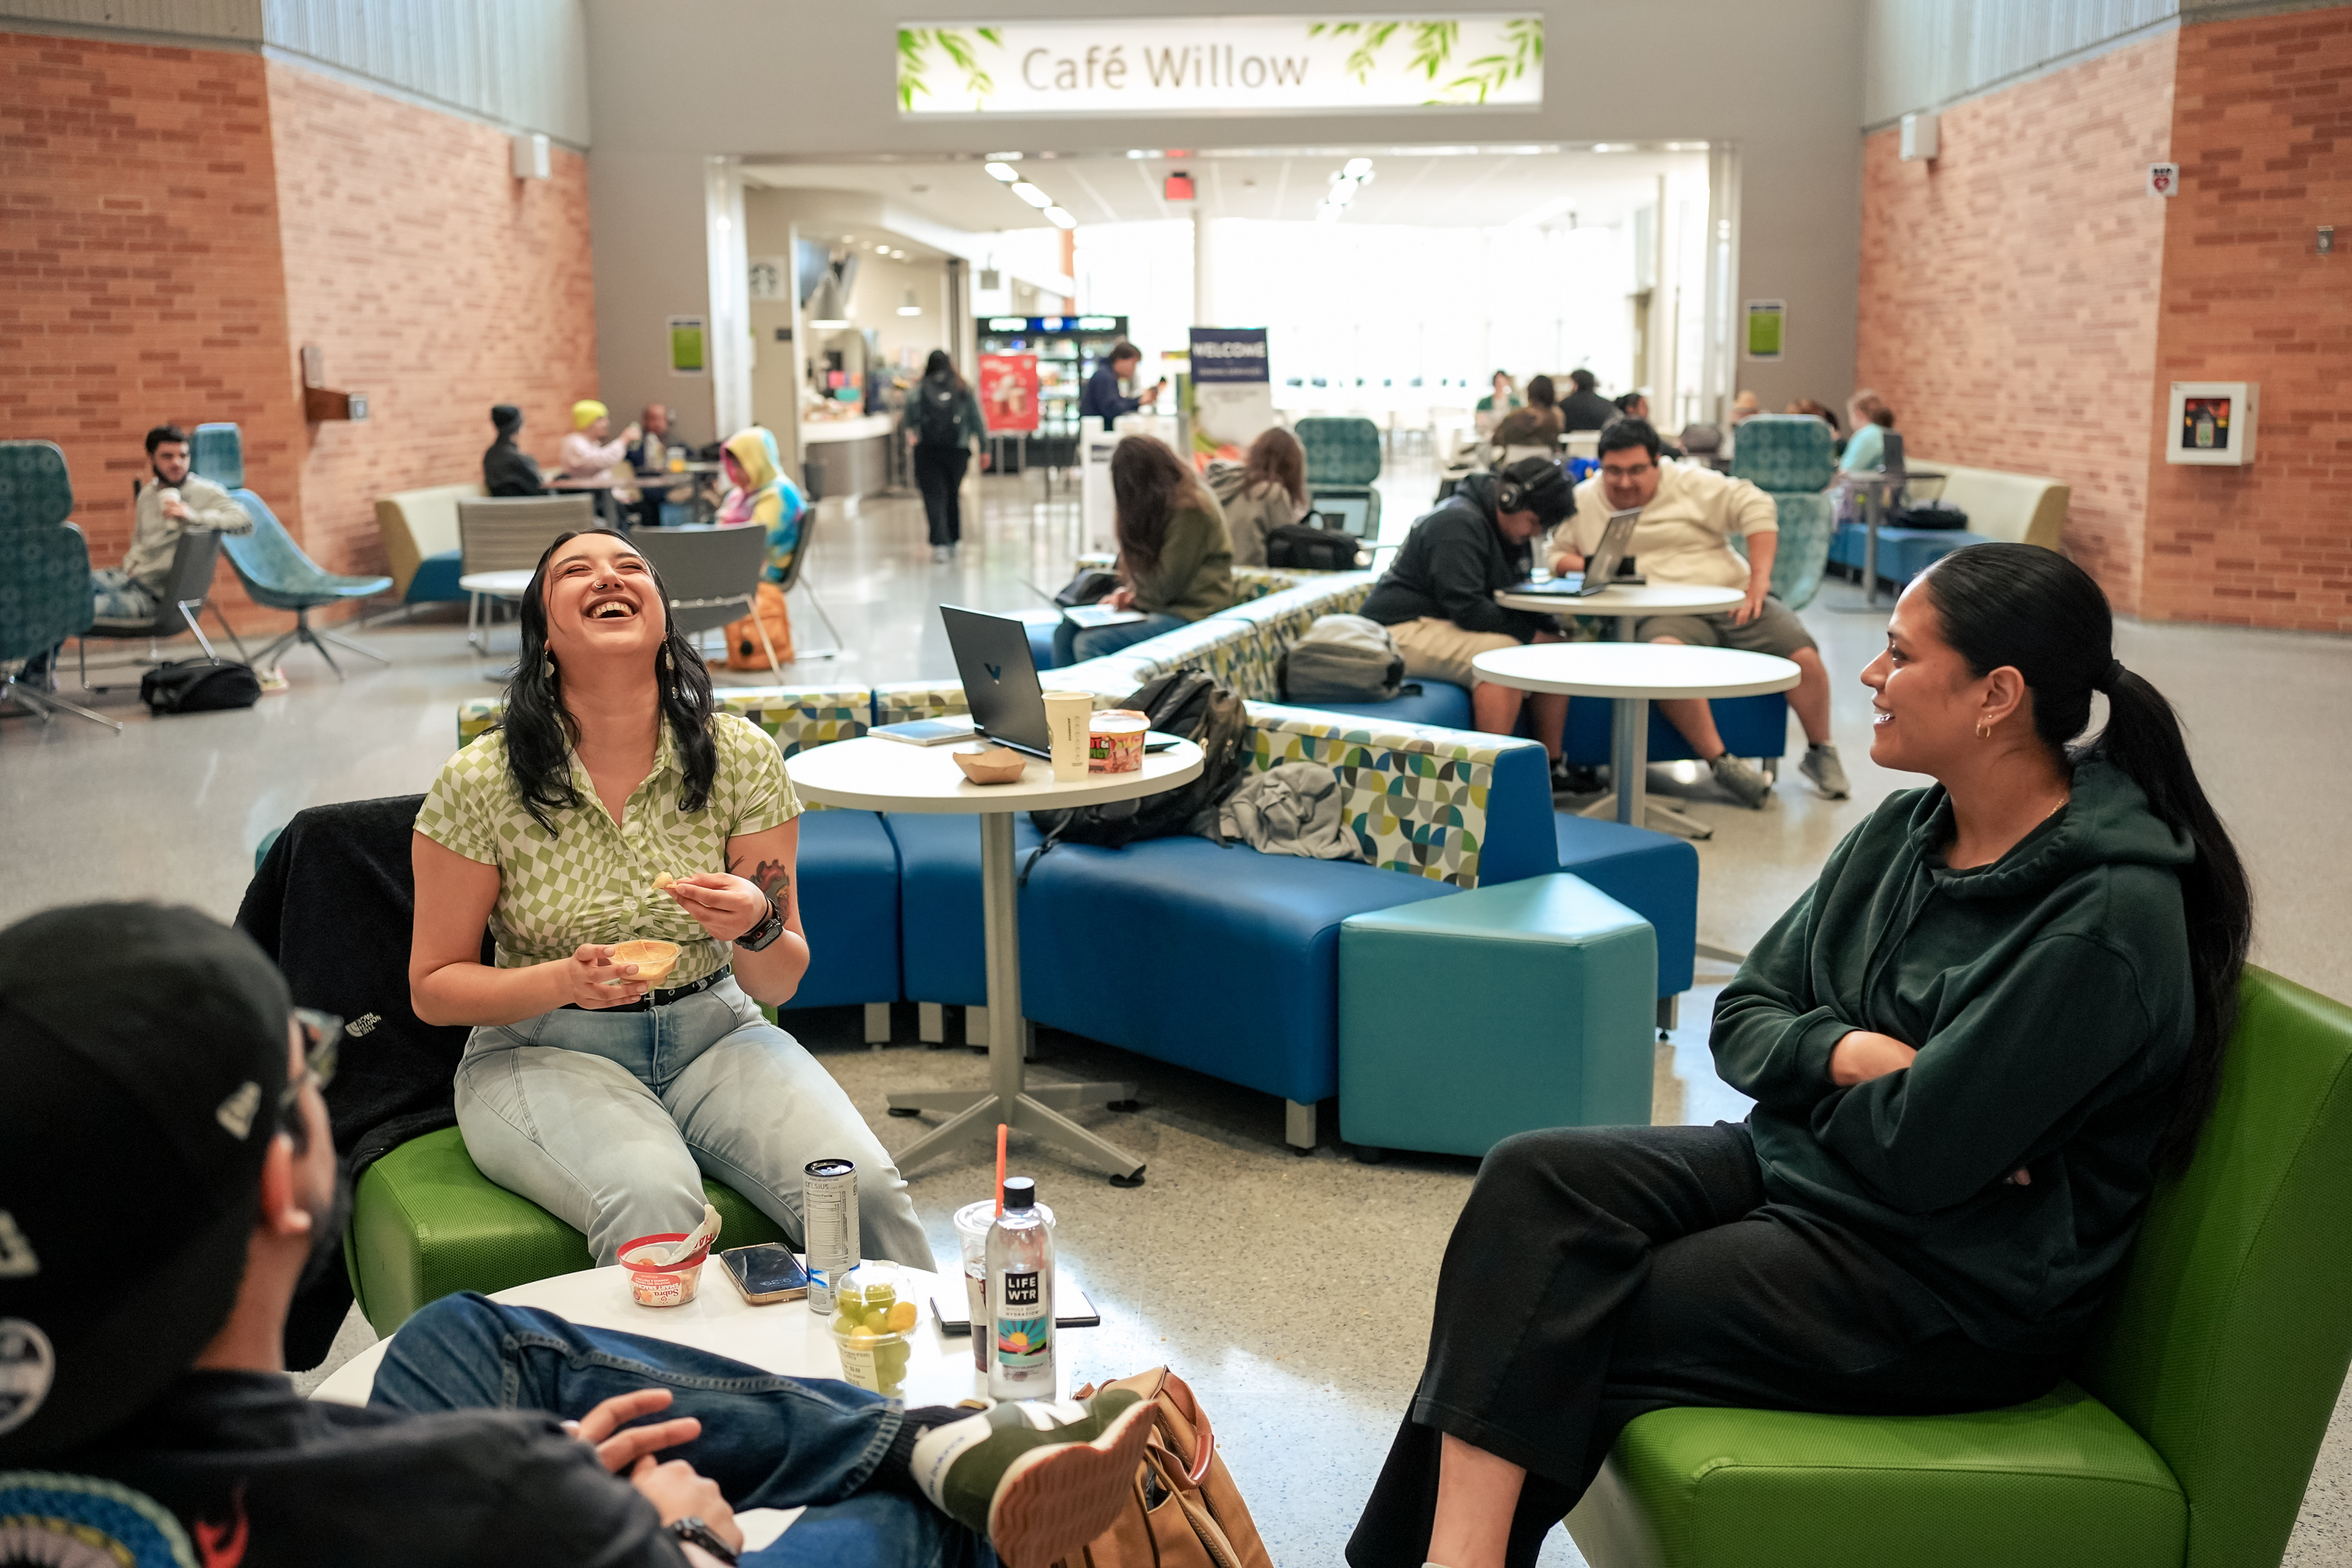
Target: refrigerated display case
1068,348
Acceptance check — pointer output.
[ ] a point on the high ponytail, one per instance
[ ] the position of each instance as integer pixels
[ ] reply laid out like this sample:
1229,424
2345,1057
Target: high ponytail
2034,610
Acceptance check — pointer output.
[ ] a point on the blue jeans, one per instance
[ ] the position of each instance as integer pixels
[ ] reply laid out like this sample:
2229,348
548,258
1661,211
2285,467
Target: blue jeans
609,1121
768,1441
1071,644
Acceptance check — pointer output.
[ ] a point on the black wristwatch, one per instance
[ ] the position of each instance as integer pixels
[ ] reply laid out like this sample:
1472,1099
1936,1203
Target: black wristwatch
694,1532
769,929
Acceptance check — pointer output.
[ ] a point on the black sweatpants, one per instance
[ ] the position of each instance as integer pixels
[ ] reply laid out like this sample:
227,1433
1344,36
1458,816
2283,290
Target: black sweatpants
1600,1272
939,474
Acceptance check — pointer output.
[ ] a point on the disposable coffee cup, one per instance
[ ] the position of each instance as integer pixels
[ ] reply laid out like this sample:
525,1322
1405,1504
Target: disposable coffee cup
1067,717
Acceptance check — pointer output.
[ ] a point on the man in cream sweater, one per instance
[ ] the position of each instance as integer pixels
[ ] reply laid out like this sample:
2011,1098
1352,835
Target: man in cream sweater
1688,516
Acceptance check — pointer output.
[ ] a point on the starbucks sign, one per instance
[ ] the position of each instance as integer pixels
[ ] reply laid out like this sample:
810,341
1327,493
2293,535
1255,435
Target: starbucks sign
1220,65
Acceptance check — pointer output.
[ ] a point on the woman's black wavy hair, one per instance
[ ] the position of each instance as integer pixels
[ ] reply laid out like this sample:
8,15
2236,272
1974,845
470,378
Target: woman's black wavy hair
540,731
2032,608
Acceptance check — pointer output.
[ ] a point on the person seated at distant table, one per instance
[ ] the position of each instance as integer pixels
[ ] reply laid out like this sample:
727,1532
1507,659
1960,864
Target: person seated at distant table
1865,450
1586,409
614,803
648,457
1101,397
493,1435
1437,598
1684,535
1992,1026
1497,404
1175,557
1265,490
507,469
589,461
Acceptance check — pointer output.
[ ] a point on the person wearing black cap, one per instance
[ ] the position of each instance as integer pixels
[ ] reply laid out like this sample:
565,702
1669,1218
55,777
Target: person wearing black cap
167,1178
1437,598
507,469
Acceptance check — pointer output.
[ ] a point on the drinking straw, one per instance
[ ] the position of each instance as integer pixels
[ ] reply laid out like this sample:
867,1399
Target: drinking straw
1001,1130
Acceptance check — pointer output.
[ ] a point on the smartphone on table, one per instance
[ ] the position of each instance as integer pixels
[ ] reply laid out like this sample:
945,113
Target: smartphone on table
765,1273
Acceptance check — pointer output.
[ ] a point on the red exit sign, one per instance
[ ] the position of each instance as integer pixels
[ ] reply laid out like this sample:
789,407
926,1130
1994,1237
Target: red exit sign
1177,187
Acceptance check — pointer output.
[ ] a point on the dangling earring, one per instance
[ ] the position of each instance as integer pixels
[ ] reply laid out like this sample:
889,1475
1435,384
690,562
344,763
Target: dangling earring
1984,729
546,666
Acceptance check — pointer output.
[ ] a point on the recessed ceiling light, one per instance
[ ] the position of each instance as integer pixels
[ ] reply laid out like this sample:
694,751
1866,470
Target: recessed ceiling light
1059,218
1357,168
1031,195
1004,172
1005,157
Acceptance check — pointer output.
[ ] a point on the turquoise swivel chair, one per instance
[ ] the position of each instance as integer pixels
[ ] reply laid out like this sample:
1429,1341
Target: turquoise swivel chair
271,565
1788,457
45,595
1343,458
2185,1437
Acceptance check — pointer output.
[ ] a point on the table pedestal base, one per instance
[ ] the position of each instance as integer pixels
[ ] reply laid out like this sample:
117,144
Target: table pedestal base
1036,1110
1008,1099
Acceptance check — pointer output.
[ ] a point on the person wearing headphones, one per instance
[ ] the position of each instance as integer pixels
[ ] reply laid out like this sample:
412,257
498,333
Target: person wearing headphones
1437,599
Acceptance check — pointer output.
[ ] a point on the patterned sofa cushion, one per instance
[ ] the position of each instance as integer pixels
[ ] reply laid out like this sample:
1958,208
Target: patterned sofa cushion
799,717
1416,796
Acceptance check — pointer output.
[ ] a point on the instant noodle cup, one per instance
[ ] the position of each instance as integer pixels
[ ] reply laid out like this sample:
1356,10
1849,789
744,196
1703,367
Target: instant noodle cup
1115,742
662,1285
654,959
873,1321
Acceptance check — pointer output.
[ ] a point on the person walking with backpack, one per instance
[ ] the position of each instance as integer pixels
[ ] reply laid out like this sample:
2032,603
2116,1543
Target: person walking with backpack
942,420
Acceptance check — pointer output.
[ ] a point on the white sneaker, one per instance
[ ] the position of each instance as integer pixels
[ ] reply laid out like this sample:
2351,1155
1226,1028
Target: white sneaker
1747,785
941,555
1822,766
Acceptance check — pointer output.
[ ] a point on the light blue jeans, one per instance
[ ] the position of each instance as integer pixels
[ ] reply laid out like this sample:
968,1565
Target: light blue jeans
609,1121
1071,645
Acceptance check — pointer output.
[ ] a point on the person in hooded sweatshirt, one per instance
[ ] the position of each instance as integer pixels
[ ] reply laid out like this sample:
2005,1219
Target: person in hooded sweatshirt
507,469
1974,1045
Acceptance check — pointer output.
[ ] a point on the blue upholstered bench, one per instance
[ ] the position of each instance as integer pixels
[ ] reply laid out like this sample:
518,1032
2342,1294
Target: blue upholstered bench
1498,1011
1438,702
1655,875
1903,553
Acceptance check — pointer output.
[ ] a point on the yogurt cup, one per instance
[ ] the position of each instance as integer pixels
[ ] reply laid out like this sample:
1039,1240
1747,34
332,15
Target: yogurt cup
1115,740
673,1284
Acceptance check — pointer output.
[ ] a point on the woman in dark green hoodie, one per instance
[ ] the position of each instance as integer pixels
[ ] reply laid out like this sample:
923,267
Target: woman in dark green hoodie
1974,1045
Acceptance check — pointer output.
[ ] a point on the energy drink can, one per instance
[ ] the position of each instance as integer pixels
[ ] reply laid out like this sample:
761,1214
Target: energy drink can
829,1219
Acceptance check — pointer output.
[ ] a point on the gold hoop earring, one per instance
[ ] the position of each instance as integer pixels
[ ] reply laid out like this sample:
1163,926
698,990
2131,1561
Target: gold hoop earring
1984,729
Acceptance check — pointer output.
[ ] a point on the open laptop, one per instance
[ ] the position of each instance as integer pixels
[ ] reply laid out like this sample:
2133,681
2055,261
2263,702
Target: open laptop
1600,568
1000,677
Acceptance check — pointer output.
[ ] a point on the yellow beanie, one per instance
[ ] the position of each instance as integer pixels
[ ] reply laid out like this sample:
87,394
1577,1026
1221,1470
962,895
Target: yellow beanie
586,412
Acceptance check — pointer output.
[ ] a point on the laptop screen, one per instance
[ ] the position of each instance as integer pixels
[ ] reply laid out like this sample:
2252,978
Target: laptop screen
999,675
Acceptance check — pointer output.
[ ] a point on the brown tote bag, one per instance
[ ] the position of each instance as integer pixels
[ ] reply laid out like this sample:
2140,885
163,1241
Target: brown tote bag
1184,1510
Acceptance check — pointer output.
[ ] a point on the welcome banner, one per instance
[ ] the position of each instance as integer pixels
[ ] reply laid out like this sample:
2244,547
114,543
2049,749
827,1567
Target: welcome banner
1232,388
1220,65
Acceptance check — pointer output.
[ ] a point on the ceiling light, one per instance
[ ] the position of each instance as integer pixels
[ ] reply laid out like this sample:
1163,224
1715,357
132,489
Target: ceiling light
1357,168
911,308
1004,172
825,307
1059,218
1003,157
1031,195
1603,147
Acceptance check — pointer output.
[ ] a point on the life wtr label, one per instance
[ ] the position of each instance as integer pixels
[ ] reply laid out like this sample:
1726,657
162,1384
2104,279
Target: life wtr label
1024,1334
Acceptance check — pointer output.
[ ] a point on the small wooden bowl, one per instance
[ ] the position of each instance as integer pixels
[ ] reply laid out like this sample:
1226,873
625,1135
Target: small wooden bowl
654,959
991,764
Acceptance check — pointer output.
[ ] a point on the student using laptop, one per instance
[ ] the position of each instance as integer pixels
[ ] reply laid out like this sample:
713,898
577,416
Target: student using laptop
1437,598
1175,555
1688,514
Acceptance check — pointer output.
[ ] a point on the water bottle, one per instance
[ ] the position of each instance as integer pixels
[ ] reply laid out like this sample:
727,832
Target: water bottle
1020,1297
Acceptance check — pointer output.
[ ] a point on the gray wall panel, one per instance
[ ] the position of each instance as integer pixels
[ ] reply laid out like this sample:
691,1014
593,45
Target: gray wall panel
519,62
1917,54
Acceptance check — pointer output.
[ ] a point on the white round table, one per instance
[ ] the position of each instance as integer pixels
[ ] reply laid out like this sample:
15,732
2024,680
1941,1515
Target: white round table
870,774
480,586
1627,603
783,1337
1633,675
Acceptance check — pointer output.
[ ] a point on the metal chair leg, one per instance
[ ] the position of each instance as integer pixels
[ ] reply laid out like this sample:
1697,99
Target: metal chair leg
833,631
44,705
203,641
229,631
341,641
768,642
302,626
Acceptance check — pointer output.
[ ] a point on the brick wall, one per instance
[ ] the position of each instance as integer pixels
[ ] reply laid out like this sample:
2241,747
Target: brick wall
140,273
434,281
2263,131
178,223
2009,299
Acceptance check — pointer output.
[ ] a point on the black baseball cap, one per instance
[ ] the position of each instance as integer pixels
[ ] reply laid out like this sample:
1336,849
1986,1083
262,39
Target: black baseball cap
144,1052
1543,488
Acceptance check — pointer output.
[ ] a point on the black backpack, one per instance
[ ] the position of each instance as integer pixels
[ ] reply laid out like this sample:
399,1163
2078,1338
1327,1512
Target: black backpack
198,685
1927,514
937,424
1302,547
1189,703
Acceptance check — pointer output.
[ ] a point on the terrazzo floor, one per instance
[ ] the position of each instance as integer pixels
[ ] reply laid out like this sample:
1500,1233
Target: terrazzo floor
1290,1291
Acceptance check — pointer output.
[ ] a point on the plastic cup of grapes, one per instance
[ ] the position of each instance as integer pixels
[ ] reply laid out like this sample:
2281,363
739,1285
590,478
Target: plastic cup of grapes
874,1318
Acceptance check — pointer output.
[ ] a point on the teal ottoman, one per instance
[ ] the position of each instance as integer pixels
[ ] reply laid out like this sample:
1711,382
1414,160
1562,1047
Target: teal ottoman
1500,1010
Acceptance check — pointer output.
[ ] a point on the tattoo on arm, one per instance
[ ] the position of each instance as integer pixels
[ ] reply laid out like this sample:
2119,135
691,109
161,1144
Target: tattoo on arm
773,878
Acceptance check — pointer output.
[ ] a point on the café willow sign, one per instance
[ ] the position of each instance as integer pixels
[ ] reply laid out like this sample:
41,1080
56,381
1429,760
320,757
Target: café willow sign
1220,65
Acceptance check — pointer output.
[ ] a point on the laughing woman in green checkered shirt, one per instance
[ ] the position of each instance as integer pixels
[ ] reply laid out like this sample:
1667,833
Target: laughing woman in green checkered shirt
613,804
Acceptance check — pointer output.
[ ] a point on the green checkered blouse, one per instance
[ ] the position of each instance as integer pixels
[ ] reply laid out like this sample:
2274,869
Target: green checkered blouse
592,878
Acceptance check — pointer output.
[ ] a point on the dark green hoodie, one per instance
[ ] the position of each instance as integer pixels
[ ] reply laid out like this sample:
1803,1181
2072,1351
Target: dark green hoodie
2048,995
